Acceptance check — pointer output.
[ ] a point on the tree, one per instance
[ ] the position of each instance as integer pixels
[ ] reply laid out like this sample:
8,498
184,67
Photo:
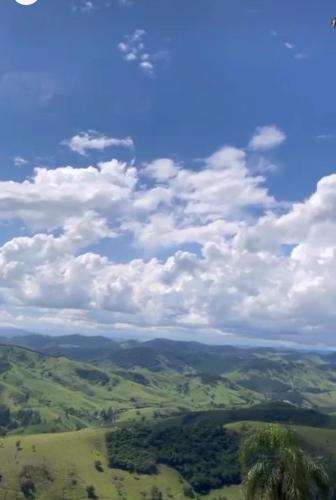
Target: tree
91,492
276,468
28,489
156,493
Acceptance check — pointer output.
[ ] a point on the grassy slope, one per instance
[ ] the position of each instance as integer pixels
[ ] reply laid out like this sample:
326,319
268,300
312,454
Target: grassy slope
52,387
315,385
68,460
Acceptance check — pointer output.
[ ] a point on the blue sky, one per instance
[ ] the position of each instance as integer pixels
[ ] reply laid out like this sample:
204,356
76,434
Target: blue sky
85,82
224,75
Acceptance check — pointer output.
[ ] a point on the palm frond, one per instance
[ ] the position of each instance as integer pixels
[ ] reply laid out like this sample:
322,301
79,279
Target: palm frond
278,469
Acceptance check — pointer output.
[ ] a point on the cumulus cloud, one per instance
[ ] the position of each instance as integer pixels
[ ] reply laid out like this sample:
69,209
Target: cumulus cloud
238,261
162,169
92,140
133,49
267,137
51,196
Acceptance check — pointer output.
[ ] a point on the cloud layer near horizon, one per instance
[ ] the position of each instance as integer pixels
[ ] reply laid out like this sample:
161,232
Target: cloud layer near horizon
239,260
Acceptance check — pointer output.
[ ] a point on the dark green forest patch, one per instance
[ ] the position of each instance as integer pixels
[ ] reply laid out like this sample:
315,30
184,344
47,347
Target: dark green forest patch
4,366
205,455
136,377
93,376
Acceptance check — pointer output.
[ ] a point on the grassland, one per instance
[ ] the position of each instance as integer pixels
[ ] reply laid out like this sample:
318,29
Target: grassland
70,395
52,394
162,373
62,466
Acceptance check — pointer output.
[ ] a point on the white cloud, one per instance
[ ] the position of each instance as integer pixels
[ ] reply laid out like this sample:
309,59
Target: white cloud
20,162
289,46
162,169
91,140
133,49
296,53
147,66
267,137
262,268
87,6
52,196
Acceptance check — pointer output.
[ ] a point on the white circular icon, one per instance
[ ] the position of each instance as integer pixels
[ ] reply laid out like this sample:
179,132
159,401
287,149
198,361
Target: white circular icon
26,2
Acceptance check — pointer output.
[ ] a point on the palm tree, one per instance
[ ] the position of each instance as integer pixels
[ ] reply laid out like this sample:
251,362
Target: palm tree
276,468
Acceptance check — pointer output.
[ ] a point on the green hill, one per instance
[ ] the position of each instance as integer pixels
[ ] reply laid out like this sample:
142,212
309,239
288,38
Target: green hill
163,385
254,374
52,394
46,392
64,466
78,347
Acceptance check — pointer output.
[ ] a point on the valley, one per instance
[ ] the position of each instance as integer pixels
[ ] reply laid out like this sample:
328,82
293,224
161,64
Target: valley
68,383
64,402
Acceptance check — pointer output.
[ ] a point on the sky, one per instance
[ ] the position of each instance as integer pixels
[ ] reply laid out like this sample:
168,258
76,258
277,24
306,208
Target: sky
168,168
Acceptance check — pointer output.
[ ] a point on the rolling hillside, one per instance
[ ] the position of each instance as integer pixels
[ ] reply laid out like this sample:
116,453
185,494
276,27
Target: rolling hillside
40,460
53,385
47,393
194,375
